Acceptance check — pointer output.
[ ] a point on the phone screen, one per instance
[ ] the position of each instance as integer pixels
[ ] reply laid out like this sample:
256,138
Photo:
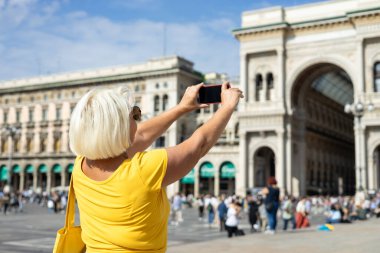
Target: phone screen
210,94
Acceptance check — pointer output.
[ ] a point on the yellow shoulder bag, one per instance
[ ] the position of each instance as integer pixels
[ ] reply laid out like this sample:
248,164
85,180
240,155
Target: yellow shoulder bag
69,238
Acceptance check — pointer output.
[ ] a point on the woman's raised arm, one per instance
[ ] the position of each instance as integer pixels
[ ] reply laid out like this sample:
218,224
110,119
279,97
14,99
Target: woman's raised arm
148,131
183,157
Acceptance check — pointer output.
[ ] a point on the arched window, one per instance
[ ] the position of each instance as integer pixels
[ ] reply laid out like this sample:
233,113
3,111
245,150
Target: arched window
258,85
270,86
156,103
164,102
31,114
376,76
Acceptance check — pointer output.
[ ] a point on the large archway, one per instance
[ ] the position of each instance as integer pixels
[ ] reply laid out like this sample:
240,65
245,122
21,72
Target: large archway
264,162
323,147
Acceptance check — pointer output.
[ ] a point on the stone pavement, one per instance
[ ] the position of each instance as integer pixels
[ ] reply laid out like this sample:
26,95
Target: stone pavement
360,237
34,231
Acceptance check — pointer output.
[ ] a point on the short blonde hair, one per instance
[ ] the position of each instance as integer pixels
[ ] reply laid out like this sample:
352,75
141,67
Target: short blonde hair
99,125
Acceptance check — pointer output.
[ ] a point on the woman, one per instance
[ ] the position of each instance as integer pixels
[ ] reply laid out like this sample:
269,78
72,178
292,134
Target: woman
232,220
120,188
271,201
301,214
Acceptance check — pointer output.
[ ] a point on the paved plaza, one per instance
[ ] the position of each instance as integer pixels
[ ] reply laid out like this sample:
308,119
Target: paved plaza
34,231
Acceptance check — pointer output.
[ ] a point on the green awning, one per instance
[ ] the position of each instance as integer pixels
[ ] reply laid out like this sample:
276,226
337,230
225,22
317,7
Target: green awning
16,168
189,178
43,168
57,168
228,170
29,169
70,168
3,173
207,170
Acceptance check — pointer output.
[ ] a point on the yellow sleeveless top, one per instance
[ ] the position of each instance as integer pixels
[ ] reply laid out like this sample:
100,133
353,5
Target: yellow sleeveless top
128,212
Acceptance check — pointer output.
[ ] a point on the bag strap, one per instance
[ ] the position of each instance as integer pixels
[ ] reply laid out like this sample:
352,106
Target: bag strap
70,208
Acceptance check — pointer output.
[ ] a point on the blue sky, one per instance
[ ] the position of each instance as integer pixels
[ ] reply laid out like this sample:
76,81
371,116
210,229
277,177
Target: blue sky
40,37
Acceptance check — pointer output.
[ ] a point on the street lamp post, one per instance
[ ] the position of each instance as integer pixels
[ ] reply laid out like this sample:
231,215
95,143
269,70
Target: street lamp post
358,109
12,131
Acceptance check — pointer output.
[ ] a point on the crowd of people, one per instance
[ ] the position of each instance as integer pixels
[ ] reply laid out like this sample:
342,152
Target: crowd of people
14,201
264,209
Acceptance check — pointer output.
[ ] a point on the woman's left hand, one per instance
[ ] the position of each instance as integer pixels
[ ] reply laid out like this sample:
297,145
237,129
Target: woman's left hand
189,100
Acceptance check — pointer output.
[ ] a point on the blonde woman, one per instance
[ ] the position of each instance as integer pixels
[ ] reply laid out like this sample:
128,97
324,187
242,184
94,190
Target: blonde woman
120,187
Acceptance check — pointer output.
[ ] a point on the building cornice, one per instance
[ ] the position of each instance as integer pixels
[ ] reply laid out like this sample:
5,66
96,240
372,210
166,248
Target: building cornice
308,23
34,86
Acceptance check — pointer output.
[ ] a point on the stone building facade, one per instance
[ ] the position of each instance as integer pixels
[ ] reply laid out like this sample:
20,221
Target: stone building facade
35,114
302,68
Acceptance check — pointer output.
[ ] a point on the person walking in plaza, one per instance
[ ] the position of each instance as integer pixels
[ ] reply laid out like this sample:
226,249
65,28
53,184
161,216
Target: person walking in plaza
176,209
120,187
288,212
201,207
253,212
222,212
271,201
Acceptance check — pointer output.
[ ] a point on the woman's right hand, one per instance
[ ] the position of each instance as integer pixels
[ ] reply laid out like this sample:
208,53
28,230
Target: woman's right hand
230,96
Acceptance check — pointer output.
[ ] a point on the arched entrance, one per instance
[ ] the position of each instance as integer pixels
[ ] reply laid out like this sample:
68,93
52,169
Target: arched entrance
323,147
227,178
16,170
187,183
206,178
264,166
376,167
42,177
56,175
29,169
3,175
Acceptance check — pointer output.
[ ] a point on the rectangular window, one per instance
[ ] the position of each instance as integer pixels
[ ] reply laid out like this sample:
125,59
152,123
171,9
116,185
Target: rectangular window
58,113
18,116
44,114
31,112
5,117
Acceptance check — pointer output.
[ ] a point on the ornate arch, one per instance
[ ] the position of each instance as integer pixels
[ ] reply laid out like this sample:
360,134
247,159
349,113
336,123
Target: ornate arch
338,61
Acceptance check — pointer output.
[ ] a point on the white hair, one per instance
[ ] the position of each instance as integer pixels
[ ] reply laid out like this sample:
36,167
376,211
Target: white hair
99,125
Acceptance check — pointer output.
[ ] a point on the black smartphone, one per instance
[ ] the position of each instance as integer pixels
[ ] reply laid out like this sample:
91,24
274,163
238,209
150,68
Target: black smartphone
210,94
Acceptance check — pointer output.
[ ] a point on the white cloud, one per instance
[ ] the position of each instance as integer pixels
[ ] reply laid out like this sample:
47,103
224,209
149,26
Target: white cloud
49,43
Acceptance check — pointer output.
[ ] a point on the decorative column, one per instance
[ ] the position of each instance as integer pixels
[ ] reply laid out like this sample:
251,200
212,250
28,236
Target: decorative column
216,182
35,179
63,176
22,181
65,136
244,76
241,172
48,181
288,157
50,138
280,162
